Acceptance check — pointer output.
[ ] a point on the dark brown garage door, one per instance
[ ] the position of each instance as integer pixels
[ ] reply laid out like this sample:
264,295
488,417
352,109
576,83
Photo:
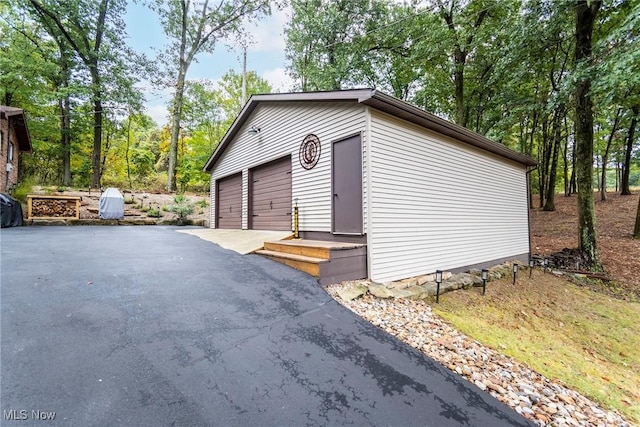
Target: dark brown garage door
270,196
229,202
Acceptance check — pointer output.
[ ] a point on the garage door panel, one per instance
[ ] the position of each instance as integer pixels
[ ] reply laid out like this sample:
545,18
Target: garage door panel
229,205
271,196
270,172
272,180
267,206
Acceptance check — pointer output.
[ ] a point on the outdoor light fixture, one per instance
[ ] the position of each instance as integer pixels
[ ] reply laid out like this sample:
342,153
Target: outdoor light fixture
253,130
438,281
531,265
515,272
546,264
485,277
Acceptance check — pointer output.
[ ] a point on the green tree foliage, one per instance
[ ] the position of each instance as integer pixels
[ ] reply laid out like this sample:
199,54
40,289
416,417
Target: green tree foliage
208,112
193,28
84,27
325,41
35,74
75,55
506,69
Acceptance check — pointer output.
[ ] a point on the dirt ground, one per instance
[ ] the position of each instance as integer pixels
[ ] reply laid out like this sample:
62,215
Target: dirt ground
619,252
141,202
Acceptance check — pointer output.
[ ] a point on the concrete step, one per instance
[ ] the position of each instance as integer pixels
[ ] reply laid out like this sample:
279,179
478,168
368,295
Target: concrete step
307,264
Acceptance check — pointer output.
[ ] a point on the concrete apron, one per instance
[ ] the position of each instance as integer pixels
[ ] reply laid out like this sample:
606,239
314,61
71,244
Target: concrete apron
241,241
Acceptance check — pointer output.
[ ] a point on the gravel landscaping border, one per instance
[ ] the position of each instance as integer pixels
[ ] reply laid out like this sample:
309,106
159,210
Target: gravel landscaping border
530,394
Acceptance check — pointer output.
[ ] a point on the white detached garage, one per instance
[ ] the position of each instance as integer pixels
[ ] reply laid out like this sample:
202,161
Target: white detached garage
366,168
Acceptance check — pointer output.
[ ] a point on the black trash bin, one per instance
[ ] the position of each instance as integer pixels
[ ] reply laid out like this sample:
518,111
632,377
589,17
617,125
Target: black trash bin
10,211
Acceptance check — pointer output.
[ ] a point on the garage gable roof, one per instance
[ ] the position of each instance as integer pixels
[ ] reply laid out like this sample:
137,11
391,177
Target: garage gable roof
380,101
19,124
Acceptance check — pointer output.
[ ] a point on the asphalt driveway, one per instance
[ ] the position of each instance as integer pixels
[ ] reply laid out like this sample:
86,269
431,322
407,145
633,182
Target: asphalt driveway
145,326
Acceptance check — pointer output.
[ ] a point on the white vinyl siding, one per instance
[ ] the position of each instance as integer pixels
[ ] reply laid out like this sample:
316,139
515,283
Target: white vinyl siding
283,126
439,204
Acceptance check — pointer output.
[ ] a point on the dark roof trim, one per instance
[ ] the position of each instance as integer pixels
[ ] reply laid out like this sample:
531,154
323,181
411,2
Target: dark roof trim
16,119
381,102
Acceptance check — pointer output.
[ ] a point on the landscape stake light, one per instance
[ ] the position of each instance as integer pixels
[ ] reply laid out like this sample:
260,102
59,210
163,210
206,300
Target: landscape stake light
515,272
485,276
438,281
531,265
546,264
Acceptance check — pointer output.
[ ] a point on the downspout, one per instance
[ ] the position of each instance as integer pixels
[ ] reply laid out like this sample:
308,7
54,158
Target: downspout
8,138
529,170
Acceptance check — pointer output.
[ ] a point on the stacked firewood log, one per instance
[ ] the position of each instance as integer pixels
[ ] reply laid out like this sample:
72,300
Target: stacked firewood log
53,208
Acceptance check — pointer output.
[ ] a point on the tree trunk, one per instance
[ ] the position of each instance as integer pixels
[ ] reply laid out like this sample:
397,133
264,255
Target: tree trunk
126,153
557,136
65,137
176,117
626,169
458,78
105,152
565,166
587,234
97,142
244,76
545,154
176,114
595,158
65,114
534,125
573,186
636,229
605,157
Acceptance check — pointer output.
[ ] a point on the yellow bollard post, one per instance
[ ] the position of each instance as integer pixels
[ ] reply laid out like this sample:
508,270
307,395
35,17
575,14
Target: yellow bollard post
296,227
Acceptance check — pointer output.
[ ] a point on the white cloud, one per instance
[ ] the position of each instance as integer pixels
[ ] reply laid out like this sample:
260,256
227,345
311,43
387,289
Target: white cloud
159,113
279,80
268,33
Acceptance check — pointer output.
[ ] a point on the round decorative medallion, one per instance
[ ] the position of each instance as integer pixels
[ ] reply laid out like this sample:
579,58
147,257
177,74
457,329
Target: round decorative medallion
309,151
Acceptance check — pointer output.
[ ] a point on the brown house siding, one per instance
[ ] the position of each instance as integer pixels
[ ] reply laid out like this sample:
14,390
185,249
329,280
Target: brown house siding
14,138
8,180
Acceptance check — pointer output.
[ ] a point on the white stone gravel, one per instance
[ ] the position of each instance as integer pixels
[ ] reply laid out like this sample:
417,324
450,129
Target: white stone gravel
527,392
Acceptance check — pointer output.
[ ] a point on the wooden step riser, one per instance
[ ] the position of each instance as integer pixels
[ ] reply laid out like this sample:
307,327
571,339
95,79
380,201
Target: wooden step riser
309,251
310,268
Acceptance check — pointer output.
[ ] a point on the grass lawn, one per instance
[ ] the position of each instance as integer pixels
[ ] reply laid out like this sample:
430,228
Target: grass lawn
585,339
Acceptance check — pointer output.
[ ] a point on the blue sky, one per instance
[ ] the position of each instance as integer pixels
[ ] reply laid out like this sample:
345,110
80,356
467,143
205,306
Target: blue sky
266,56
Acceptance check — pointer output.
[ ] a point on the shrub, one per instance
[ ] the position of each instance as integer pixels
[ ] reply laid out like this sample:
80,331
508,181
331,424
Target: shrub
154,213
22,190
182,208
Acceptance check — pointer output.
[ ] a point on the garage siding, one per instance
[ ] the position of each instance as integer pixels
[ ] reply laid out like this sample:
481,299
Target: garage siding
283,126
438,204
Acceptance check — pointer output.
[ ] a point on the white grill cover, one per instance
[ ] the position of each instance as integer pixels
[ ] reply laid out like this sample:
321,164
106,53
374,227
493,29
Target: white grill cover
111,204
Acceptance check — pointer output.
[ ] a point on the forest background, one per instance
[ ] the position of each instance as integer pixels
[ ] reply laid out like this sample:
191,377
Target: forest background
505,69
